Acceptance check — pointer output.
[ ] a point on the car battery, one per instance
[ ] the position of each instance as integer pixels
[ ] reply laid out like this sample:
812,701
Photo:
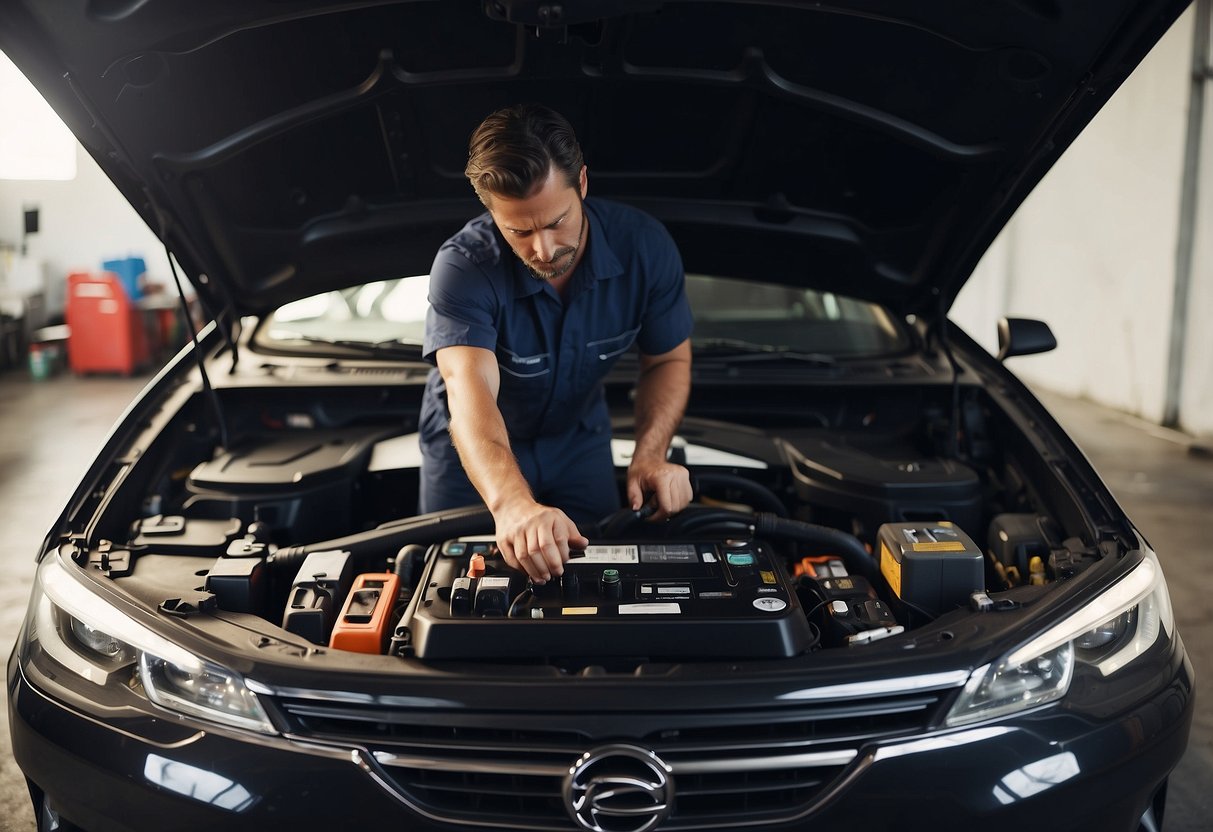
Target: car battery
931,567
625,599
364,621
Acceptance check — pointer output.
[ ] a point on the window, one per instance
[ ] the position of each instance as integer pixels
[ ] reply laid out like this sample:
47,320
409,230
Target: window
34,143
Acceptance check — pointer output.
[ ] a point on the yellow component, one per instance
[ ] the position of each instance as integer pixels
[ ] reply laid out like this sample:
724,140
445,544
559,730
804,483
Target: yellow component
1036,571
768,577
939,546
891,569
579,611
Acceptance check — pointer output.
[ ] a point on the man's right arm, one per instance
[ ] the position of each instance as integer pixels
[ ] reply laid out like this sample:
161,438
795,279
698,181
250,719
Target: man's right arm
531,536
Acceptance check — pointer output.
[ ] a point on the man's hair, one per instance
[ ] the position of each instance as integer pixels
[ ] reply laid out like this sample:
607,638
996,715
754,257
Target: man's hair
512,150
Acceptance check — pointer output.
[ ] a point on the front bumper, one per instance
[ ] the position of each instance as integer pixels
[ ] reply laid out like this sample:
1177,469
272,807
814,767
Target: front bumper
1050,769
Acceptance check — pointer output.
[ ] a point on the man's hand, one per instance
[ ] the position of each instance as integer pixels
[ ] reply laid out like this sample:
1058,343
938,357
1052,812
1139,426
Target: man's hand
661,398
669,484
536,538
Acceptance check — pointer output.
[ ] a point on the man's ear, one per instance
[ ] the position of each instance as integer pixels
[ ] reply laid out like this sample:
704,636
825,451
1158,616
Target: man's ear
583,182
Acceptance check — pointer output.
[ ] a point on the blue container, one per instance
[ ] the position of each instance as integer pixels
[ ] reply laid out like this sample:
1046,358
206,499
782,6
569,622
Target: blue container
130,271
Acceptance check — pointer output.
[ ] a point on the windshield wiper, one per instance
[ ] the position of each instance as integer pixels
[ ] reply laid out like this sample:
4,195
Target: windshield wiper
394,347
737,350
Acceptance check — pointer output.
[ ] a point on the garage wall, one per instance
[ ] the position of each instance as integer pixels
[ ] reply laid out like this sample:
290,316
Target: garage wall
1093,249
1196,398
81,223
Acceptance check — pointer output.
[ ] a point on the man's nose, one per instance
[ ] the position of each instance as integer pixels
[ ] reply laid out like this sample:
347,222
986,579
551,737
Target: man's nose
545,246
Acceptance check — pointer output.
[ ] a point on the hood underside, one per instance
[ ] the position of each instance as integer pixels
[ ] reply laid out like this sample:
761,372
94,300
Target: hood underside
869,148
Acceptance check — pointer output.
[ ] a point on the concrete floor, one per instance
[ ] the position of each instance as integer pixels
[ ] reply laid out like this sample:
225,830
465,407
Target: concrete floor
49,431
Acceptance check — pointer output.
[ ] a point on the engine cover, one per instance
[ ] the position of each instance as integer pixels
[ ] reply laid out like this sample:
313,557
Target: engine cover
655,600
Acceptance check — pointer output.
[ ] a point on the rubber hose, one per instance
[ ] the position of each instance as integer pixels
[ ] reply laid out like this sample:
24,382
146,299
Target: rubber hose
765,498
424,528
847,546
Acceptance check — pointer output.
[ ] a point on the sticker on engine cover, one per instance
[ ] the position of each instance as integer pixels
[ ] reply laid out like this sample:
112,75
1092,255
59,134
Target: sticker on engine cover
650,609
770,604
939,546
579,610
668,553
891,569
610,554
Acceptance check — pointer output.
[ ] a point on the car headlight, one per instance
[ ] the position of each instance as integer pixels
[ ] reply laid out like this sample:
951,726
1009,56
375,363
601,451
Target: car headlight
97,642
1107,633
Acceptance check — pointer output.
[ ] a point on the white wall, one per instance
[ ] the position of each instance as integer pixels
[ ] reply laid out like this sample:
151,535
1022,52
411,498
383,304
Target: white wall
1196,399
1093,249
82,222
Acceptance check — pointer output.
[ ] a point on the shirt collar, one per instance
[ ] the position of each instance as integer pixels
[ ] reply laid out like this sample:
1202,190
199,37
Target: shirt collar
600,262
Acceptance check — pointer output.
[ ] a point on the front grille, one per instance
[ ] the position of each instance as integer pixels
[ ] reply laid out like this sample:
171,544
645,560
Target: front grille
485,768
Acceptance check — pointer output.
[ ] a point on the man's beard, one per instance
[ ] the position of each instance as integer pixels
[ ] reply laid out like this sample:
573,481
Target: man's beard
559,265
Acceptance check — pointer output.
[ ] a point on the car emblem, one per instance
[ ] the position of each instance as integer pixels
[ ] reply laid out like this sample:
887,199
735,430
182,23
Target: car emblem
619,788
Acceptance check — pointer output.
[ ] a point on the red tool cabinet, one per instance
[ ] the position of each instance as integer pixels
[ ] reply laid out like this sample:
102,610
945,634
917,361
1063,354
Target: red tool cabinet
107,329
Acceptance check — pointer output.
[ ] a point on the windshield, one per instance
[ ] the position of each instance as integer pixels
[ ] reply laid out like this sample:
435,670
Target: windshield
731,316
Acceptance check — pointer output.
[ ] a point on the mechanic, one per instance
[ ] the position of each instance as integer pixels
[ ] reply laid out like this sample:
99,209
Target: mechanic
515,412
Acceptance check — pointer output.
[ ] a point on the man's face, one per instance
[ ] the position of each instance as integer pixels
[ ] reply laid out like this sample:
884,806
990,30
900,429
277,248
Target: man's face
545,229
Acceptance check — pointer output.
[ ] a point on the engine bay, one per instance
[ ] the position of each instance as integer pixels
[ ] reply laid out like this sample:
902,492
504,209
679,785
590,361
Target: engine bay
799,539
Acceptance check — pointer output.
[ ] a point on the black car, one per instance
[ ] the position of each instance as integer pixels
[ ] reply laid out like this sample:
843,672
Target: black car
902,598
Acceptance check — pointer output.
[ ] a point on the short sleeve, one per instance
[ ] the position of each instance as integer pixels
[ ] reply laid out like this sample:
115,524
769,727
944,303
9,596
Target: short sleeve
667,318
462,305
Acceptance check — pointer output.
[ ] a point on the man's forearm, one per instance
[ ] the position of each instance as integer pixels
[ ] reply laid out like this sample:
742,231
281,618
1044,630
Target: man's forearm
661,399
479,435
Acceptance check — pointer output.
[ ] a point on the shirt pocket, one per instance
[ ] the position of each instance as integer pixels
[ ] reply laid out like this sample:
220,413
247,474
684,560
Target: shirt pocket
525,367
604,349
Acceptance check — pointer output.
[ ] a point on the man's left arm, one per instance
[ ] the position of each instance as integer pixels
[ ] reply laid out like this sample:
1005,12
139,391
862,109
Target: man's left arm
661,398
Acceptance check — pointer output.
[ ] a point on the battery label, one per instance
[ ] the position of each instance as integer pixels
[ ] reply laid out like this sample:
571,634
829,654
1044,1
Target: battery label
610,554
891,569
679,553
650,609
939,546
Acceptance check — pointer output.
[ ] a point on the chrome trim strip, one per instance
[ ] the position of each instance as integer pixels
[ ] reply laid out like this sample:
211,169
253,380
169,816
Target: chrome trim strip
881,687
517,766
705,766
349,697
724,766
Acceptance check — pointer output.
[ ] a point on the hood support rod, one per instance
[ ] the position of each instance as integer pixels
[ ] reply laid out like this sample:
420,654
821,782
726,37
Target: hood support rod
954,421
212,396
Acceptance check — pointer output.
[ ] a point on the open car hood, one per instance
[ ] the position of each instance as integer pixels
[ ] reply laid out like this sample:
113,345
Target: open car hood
873,148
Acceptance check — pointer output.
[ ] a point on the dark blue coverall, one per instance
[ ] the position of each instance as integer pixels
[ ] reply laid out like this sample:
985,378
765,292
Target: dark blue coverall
553,355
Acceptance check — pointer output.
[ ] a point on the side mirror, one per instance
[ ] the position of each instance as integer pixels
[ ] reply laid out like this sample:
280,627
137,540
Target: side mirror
1023,336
